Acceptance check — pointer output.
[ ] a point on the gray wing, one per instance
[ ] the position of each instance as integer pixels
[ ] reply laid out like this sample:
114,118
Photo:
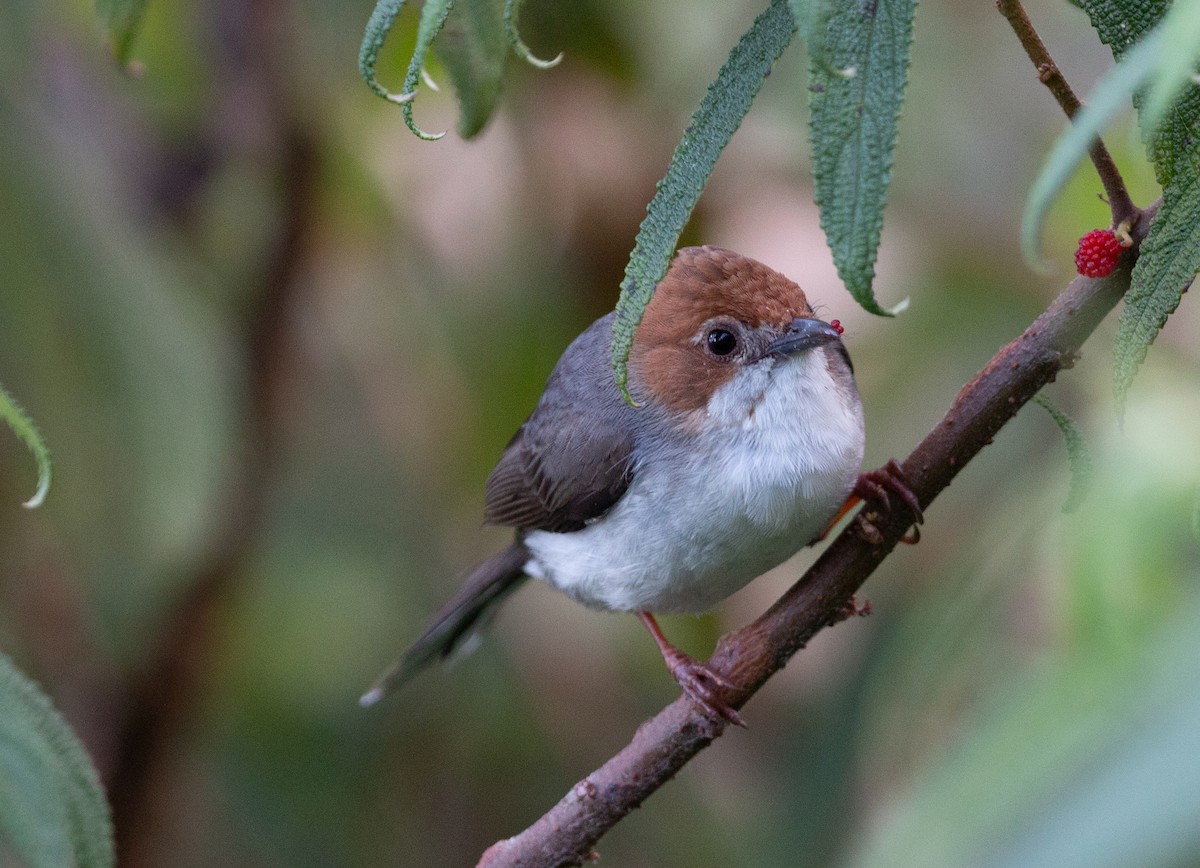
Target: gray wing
572,459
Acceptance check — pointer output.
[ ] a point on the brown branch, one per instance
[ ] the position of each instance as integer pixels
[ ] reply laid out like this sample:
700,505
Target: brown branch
1050,75
748,657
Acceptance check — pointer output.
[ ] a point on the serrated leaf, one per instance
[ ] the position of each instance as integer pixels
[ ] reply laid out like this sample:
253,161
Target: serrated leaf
1121,24
1180,51
512,10
52,809
383,16
121,19
1079,457
1167,264
473,48
713,125
1111,95
433,17
855,97
27,432
811,17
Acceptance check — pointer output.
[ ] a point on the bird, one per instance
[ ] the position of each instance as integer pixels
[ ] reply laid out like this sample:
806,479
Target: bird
743,440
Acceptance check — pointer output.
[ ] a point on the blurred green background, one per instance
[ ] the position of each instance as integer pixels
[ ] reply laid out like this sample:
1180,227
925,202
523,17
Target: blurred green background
275,344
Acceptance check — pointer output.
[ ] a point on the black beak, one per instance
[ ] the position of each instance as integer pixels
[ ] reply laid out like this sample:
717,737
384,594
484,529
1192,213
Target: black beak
802,334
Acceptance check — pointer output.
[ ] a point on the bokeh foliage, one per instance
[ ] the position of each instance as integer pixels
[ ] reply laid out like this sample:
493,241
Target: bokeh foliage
1022,691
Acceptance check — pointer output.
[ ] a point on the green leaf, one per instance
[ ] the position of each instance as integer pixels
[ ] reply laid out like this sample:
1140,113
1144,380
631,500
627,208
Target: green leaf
1078,456
472,45
383,16
1181,50
1156,59
1121,24
20,423
1110,96
1157,40
52,809
1168,262
811,18
122,19
512,9
473,48
433,17
713,125
855,97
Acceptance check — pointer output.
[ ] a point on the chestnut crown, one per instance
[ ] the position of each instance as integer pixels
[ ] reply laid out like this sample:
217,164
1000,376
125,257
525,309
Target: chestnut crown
714,313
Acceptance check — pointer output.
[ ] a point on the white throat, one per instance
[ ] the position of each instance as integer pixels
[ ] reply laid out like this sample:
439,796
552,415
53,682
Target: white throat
777,451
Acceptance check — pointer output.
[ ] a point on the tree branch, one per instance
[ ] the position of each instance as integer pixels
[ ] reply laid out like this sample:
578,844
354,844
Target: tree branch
1050,75
748,657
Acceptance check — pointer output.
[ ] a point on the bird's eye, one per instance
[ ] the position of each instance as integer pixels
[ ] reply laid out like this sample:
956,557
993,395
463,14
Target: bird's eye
721,342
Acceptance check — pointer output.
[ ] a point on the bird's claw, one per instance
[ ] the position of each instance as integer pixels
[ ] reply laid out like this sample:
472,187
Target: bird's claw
703,686
873,486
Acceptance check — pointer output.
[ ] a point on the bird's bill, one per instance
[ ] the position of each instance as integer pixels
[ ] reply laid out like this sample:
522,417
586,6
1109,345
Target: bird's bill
802,334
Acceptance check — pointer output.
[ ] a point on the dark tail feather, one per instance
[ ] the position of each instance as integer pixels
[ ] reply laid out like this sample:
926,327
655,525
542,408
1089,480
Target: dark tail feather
460,619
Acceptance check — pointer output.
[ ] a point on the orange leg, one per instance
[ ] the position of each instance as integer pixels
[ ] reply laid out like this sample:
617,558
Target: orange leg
872,488
701,684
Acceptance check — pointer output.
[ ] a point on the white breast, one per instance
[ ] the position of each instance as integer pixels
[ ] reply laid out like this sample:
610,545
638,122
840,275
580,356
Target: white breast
705,514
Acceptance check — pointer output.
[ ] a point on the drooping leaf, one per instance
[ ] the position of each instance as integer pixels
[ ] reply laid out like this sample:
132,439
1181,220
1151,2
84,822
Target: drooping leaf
433,17
1079,457
1110,97
473,47
383,16
512,10
1167,265
713,125
1180,52
811,17
1156,45
1121,25
122,20
856,92
20,423
52,809
1164,36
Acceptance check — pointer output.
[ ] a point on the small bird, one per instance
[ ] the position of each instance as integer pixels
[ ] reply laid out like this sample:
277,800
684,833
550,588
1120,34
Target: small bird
746,439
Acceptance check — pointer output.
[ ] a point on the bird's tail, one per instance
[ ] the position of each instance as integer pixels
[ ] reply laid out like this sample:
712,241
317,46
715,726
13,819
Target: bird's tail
459,620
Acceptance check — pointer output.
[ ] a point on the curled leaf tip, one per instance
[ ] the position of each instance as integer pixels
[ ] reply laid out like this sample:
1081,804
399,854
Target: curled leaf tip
511,11
39,496
538,62
429,137
26,431
400,98
428,79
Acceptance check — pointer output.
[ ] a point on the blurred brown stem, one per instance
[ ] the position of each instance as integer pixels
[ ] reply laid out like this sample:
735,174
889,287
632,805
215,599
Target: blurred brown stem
748,657
1050,75
162,699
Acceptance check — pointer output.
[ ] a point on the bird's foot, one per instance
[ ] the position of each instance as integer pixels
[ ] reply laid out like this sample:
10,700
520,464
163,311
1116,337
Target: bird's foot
872,488
701,684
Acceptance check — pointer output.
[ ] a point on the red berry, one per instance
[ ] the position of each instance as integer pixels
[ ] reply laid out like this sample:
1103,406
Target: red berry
1098,252
836,325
